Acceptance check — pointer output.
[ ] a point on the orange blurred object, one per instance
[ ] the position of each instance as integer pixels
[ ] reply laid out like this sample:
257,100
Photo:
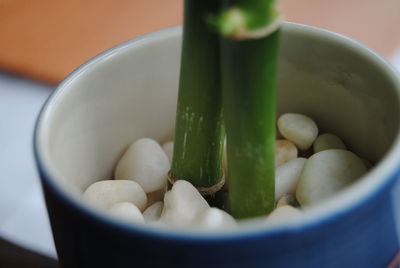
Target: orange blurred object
47,39
374,23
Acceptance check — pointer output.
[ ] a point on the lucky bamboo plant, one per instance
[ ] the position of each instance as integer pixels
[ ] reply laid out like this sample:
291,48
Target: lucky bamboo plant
199,128
228,79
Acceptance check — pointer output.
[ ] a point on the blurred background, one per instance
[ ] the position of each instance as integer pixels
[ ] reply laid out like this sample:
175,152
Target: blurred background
42,41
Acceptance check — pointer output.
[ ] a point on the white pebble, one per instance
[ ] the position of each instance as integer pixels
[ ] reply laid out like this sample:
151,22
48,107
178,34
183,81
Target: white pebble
328,141
182,204
299,129
327,172
157,224
146,163
287,176
155,197
284,151
284,214
153,212
168,148
287,200
214,218
126,211
107,193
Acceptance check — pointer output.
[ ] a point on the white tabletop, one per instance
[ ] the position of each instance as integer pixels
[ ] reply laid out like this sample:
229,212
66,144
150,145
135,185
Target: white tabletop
23,216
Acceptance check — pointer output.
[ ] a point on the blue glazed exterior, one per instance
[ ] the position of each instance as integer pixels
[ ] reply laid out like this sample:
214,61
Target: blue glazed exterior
362,235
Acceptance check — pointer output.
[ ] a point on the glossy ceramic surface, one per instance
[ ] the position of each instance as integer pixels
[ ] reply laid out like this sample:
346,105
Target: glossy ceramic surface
130,92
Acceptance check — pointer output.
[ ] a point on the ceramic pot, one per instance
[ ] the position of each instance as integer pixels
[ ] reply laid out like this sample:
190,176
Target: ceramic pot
130,91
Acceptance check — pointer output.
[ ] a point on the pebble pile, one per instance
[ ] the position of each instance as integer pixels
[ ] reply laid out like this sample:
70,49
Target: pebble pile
137,194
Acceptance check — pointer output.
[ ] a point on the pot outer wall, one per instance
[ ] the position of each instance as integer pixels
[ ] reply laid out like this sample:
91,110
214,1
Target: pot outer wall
362,235
371,241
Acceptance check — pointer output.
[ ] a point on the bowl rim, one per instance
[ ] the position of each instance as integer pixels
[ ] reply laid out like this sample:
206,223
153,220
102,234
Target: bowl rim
384,174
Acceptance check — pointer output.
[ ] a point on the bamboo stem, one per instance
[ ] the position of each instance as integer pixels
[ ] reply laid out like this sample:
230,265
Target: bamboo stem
199,128
248,82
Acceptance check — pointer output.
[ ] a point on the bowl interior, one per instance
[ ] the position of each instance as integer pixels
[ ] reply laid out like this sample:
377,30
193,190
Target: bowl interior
130,92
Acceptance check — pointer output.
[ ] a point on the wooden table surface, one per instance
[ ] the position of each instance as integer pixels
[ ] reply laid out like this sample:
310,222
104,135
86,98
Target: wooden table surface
47,39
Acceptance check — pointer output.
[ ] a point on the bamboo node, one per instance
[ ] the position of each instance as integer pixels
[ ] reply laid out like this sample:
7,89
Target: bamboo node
245,34
203,190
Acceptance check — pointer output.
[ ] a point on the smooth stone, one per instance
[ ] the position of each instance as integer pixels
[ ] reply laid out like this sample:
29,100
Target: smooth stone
214,218
182,204
327,172
284,214
126,211
157,224
299,129
284,151
153,212
107,193
287,177
328,141
146,163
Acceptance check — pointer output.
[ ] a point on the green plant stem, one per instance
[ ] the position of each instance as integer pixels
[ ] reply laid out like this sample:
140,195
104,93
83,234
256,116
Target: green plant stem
199,130
249,82
245,15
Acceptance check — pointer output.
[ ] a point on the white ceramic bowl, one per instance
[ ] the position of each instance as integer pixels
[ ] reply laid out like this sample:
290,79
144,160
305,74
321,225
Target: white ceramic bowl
130,91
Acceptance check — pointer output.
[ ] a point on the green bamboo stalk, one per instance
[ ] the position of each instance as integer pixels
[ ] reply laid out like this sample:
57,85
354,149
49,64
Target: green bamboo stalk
248,82
199,130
